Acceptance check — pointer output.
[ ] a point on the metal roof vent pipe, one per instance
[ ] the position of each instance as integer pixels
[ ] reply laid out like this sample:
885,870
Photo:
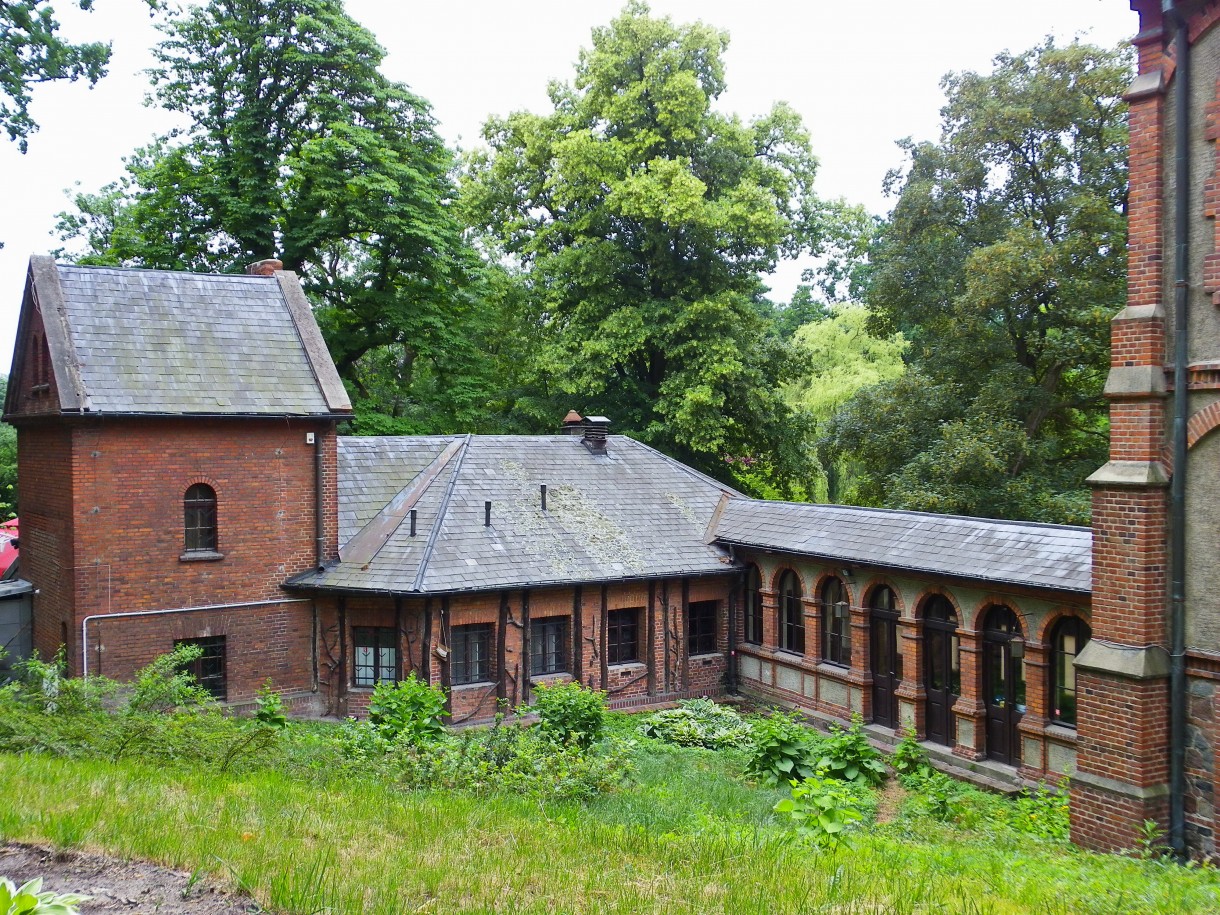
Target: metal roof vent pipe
597,428
573,423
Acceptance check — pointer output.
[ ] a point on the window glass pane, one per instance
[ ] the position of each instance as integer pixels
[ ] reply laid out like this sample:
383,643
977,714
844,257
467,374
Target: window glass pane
375,655
622,636
548,645
209,668
470,661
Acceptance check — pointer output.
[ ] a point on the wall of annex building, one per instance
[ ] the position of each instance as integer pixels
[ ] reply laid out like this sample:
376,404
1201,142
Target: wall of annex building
428,633
1043,747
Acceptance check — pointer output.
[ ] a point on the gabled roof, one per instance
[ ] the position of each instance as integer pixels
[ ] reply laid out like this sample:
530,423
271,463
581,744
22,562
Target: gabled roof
628,513
160,342
1051,556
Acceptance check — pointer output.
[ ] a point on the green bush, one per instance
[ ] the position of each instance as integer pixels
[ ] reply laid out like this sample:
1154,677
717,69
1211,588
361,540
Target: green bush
823,809
166,684
780,748
269,707
29,899
698,723
908,756
410,711
569,713
42,685
933,794
846,754
1043,812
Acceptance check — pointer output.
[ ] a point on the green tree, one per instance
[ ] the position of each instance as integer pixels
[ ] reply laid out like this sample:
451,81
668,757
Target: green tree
32,52
298,147
8,462
842,357
642,217
1002,262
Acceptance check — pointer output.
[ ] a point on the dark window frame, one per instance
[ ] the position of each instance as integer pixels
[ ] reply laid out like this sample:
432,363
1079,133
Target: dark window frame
464,669
835,618
753,611
550,656
379,638
701,626
623,636
210,669
791,613
199,528
1061,662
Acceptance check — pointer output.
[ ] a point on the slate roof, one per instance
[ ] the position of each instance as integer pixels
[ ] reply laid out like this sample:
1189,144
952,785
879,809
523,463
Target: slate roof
629,513
1052,556
162,342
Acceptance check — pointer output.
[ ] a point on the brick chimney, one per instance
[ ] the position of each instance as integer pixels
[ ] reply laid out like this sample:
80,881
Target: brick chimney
265,267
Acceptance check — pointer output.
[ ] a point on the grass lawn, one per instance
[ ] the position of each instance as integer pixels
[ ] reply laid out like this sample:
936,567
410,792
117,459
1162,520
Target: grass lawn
687,834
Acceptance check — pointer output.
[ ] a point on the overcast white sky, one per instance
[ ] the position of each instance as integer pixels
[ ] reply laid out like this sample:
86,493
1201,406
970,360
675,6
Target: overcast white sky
862,76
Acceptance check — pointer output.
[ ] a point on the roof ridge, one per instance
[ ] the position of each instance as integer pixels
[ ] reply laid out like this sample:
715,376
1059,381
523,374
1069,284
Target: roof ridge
434,534
690,471
921,514
195,273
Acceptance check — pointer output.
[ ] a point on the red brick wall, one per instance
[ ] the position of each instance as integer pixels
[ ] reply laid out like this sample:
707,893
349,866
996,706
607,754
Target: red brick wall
626,684
102,532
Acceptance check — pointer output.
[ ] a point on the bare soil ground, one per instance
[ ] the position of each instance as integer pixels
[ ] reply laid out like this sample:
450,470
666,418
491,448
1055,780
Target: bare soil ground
888,803
120,886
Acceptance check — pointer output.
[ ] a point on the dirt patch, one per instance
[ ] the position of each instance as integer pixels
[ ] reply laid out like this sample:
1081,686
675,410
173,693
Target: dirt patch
890,800
120,886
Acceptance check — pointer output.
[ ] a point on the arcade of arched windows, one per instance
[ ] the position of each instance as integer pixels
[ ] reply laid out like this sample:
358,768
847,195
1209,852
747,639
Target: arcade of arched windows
988,675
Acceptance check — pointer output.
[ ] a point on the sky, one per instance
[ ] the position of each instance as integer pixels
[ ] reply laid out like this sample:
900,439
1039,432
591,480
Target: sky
861,75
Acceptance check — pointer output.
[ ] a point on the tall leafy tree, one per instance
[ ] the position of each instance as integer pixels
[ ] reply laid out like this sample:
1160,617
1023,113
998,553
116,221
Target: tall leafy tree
641,218
1002,262
32,51
298,147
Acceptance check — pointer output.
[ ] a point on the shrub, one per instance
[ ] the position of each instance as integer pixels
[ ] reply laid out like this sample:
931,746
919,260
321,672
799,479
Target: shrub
1043,812
29,899
571,714
166,684
409,710
823,809
780,749
269,707
933,794
908,755
698,723
846,754
42,685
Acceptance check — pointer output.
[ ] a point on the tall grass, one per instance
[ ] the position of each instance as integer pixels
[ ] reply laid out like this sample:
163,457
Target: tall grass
689,837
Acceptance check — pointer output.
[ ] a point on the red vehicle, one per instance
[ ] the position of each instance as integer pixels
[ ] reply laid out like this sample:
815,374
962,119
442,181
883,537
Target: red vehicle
8,544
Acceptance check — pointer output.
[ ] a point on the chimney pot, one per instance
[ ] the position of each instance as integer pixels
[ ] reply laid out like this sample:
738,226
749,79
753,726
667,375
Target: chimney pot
265,267
573,423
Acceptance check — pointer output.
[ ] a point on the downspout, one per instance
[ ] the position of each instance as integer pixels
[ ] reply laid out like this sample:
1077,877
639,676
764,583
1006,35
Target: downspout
319,504
1177,492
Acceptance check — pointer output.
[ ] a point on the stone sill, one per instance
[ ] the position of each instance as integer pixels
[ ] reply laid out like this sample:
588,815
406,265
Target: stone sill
201,556
482,684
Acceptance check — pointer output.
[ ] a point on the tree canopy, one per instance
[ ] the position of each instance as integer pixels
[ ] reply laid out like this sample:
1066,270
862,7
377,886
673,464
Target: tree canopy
1002,263
640,218
298,147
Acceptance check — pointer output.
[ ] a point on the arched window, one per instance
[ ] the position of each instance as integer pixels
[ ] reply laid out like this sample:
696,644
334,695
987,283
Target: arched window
199,513
836,623
791,614
1067,638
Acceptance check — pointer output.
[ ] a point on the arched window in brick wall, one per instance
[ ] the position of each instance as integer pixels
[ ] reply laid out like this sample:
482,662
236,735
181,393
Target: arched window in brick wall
1067,638
199,519
791,614
836,623
753,606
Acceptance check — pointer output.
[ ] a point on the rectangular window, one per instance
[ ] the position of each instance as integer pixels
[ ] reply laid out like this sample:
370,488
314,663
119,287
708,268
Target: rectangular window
470,654
376,655
548,645
701,627
623,636
209,667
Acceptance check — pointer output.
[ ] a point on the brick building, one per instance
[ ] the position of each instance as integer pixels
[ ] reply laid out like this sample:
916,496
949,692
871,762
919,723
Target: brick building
182,479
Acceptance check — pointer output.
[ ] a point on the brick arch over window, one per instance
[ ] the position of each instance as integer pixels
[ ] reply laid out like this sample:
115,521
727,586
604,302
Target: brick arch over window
1051,620
881,581
1202,423
995,600
779,573
199,519
921,603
